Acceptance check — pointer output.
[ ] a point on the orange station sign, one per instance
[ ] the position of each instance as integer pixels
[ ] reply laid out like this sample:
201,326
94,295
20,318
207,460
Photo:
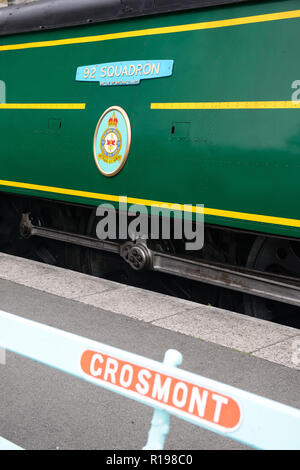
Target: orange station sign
193,401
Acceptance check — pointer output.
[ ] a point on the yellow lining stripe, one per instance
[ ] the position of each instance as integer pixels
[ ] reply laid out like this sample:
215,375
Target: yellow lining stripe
164,205
42,106
154,31
230,105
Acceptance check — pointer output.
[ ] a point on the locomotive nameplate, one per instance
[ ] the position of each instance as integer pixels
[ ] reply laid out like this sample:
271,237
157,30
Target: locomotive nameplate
112,141
124,73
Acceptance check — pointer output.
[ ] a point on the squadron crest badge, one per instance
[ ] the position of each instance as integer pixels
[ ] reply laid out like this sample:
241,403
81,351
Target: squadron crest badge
112,141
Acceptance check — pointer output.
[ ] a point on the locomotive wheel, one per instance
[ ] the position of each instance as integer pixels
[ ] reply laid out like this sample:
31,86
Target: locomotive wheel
279,257
37,249
98,263
113,267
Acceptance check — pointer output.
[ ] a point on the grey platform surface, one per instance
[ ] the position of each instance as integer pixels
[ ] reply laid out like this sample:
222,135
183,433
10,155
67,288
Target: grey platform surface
42,408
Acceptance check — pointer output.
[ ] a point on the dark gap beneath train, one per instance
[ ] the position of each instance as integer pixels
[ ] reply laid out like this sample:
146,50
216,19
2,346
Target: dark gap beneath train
221,245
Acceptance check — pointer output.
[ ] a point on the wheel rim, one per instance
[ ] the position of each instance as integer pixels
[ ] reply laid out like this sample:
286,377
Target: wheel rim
277,256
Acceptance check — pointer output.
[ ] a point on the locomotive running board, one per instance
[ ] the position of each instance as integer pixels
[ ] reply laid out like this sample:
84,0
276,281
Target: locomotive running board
140,257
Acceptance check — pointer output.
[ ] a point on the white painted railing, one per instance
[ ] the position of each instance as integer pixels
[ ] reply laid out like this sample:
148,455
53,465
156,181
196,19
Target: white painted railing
243,416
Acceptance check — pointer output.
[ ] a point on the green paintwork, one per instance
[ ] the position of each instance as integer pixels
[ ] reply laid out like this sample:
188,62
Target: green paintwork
238,160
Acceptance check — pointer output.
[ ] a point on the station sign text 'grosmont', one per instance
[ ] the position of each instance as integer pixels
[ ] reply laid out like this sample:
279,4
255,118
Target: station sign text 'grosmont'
193,401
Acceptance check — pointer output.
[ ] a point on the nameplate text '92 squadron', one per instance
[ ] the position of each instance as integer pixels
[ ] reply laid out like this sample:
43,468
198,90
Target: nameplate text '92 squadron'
124,73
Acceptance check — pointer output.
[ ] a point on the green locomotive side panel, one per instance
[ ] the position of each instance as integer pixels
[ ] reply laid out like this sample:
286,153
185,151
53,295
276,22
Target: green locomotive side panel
241,162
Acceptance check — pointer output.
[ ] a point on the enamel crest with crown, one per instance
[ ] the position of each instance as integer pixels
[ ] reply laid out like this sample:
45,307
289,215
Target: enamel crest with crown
112,141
